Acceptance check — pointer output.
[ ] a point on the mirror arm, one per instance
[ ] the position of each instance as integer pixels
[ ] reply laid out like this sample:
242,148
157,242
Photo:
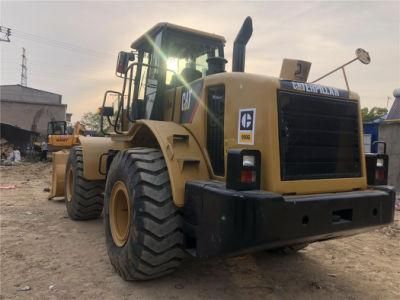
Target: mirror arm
333,71
345,79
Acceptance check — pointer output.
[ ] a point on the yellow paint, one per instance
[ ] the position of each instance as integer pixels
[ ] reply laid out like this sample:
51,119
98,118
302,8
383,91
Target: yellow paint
243,90
59,164
189,160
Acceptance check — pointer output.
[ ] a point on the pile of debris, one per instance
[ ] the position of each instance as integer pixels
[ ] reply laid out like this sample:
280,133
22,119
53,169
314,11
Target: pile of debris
10,154
5,146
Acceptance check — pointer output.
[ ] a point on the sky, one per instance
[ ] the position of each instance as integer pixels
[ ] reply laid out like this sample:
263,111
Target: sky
72,46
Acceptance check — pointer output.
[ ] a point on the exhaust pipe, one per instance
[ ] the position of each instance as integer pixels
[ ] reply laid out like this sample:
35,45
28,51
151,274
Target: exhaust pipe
239,46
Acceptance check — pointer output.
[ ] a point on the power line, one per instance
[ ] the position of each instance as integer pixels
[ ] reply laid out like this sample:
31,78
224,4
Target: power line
59,44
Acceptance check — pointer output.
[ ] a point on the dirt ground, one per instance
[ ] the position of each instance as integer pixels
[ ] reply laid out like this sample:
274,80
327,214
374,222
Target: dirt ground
55,258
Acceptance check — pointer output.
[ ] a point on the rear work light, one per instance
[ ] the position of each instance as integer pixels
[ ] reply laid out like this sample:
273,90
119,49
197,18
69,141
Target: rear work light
243,169
377,166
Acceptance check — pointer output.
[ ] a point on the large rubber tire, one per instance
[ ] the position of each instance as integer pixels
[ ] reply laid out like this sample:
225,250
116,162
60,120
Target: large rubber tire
84,198
150,243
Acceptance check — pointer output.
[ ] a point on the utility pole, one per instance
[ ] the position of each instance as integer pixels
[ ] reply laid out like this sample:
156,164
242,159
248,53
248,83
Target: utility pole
6,33
24,76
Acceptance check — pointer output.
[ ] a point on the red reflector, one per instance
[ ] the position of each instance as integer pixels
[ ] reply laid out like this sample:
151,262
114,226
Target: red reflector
380,174
248,176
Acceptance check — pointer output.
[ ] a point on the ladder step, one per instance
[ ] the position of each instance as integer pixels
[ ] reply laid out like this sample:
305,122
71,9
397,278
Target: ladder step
185,162
178,138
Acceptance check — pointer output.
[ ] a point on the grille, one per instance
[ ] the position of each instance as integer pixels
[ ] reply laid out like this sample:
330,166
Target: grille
318,137
215,128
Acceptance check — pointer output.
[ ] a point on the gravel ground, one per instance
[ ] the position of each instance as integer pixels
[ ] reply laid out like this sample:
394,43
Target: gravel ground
44,255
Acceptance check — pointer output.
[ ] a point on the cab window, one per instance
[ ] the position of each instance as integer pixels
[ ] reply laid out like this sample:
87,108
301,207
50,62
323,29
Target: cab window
187,59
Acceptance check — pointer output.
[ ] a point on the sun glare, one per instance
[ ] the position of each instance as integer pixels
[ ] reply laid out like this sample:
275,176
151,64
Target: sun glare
172,64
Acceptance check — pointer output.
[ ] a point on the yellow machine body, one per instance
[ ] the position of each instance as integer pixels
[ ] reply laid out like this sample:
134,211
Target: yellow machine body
248,91
184,145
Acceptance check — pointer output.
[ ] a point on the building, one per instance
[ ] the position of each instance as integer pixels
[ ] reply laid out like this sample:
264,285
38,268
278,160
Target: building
68,117
389,131
30,109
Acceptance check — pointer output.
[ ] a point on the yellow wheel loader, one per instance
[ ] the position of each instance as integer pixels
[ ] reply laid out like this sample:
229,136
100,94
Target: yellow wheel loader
61,137
200,162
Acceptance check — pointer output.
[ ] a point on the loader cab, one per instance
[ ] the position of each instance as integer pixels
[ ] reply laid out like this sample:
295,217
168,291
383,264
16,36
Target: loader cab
163,59
175,56
58,128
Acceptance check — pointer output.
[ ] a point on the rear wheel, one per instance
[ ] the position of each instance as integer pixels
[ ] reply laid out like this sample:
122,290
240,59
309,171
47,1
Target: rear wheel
143,227
83,198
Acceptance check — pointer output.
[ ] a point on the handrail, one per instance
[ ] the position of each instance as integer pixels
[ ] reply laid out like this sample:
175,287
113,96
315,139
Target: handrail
130,105
130,102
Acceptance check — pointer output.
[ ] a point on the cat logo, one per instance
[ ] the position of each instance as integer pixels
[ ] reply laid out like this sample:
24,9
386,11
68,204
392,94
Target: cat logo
246,126
246,120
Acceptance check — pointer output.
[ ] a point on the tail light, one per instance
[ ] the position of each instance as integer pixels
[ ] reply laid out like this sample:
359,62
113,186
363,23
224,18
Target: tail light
243,169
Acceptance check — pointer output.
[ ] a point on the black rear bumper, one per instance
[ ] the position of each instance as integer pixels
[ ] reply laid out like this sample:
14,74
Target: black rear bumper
220,221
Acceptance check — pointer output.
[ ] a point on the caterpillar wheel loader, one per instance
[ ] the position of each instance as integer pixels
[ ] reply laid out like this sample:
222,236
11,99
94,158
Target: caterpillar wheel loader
200,162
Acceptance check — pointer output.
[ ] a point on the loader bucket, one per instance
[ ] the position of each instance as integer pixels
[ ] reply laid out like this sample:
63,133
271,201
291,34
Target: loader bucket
59,164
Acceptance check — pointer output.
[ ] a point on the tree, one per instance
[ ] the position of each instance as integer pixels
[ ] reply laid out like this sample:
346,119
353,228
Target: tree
91,121
372,114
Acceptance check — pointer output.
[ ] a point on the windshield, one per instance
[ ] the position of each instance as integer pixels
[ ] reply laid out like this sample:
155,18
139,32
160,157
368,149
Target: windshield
187,57
57,127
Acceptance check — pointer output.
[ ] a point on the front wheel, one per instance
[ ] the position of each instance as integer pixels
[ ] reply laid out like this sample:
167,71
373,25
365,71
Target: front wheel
143,227
83,198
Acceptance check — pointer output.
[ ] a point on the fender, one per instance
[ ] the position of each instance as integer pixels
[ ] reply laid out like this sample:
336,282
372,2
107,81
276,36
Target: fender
92,149
182,153
183,156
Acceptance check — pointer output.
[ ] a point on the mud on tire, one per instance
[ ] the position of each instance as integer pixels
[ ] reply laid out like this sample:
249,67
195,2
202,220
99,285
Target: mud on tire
84,198
148,242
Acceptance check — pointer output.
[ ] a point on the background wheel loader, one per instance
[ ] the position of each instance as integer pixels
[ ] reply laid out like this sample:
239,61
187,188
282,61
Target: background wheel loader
201,162
61,137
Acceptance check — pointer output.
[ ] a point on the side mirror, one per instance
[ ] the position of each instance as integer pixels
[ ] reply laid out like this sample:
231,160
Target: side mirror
363,56
123,61
106,111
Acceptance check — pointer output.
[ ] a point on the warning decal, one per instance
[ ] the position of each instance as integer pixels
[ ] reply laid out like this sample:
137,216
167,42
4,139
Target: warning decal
246,126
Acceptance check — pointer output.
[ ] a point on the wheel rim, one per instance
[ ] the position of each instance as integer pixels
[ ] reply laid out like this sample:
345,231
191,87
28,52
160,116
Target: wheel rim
70,183
120,215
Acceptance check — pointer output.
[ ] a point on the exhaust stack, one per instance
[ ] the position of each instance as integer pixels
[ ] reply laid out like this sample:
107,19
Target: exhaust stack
239,46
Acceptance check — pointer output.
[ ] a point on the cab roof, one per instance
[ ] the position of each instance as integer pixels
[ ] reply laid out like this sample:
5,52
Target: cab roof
142,40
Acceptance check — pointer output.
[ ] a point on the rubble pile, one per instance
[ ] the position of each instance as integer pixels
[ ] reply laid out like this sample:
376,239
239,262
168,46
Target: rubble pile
9,154
5,147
